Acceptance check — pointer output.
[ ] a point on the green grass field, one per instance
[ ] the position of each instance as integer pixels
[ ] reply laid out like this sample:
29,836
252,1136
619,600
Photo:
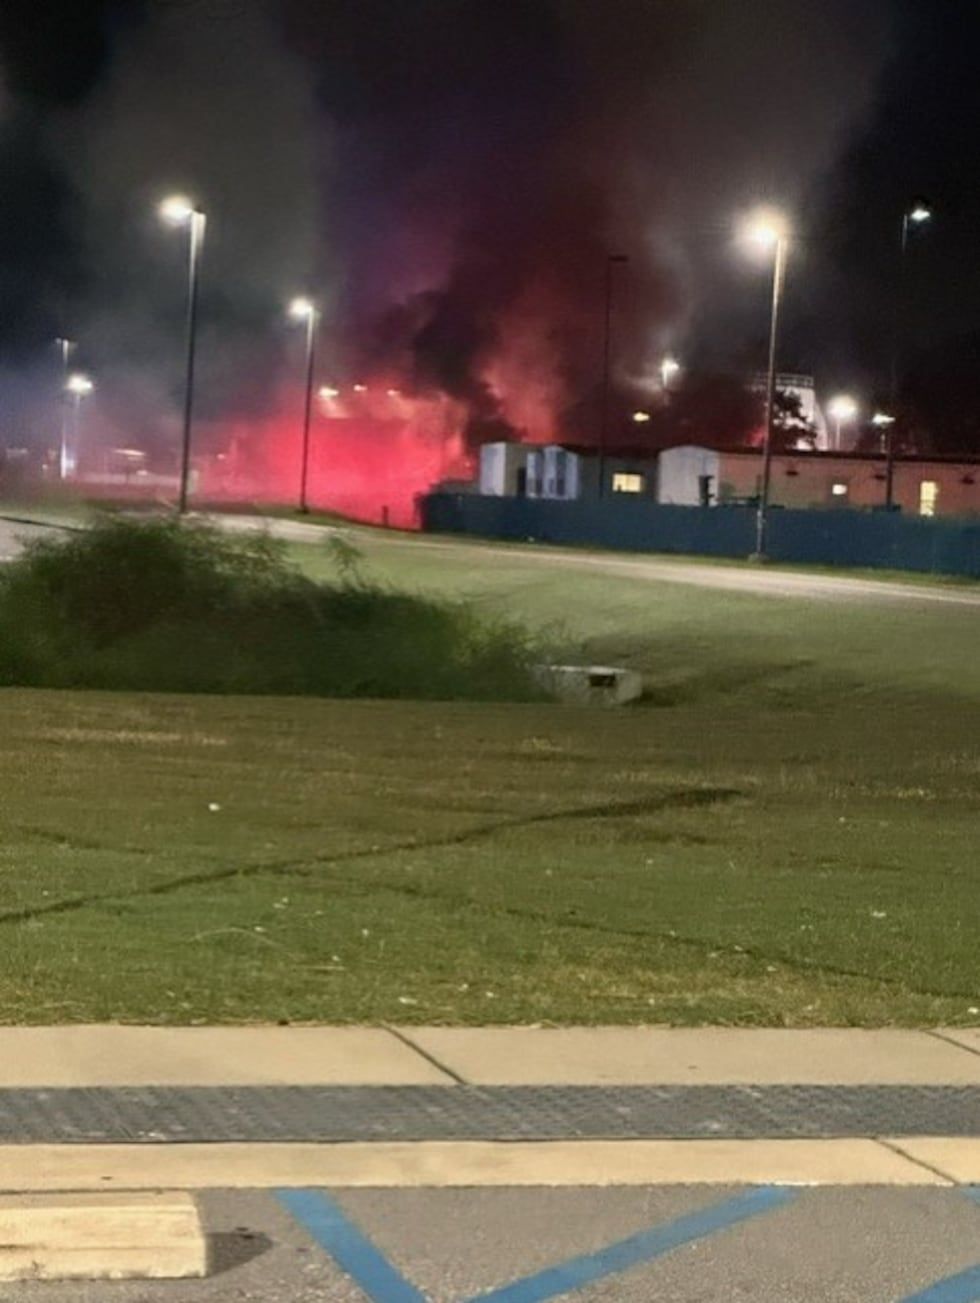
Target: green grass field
785,832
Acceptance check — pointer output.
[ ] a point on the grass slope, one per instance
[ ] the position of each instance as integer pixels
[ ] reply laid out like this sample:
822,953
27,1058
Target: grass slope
787,834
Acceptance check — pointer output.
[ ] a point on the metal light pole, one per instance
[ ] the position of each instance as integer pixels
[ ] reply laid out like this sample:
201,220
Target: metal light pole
64,346
917,213
306,310
181,212
776,236
612,260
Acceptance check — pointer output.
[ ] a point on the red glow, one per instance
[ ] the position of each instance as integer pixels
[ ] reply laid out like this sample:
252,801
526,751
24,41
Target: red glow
371,454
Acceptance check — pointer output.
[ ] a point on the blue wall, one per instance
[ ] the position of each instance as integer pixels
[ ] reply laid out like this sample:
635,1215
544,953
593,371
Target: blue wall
845,538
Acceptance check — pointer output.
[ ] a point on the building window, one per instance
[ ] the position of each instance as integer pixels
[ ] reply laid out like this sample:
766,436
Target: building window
928,497
627,482
839,489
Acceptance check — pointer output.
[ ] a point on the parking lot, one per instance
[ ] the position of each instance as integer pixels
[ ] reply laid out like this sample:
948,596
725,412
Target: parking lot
673,1244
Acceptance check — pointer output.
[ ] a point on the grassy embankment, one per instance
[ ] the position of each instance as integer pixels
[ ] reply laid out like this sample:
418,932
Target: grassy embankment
786,832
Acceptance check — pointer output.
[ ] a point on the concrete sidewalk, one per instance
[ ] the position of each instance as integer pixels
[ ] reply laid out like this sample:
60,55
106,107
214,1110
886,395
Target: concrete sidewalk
120,1056
97,1107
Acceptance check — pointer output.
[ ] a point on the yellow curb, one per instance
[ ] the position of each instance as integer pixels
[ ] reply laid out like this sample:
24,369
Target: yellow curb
470,1163
101,1237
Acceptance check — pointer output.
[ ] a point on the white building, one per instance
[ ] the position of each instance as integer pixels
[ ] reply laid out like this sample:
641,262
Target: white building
688,476
503,470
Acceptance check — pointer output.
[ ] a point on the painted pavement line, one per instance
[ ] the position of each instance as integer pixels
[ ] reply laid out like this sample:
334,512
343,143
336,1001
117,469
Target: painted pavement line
576,1273
352,1250
964,1288
961,1288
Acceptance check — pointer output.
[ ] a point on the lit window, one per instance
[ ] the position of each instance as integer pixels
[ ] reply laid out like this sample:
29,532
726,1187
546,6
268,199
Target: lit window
624,482
839,490
928,497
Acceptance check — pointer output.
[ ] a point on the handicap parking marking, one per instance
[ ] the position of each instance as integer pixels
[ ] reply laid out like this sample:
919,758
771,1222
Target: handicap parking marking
367,1266
349,1247
961,1288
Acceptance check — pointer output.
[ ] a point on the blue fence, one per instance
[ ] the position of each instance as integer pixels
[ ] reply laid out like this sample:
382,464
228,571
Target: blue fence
836,538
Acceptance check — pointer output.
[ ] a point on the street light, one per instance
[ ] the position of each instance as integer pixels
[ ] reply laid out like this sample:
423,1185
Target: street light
306,310
613,260
917,213
768,229
843,409
78,387
327,392
178,211
65,347
641,418
669,367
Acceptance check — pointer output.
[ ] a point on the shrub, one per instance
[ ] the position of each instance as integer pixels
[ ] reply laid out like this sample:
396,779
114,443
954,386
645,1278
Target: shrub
162,605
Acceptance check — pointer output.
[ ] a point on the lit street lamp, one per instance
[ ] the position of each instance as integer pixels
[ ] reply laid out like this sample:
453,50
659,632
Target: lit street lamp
613,260
843,409
883,421
306,310
669,367
768,230
182,212
78,387
917,213
65,347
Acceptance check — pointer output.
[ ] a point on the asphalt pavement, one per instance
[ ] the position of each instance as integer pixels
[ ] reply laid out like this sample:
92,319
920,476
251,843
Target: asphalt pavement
678,1244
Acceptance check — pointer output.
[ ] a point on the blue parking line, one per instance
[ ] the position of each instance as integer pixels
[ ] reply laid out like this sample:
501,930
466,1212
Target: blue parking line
964,1288
349,1246
367,1266
647,1245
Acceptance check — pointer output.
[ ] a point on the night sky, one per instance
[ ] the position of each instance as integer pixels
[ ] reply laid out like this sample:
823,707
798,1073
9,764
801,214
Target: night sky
452,173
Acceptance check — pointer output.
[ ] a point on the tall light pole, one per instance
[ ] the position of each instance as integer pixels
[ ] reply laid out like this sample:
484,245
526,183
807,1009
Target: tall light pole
306,310
78,387
769,230
916,213
65,347
612,261
182,212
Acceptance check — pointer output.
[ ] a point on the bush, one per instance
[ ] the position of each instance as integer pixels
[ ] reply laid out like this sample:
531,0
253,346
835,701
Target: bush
162,605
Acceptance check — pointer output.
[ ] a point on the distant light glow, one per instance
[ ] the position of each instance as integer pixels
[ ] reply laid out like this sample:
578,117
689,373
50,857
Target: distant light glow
669,367
920,212
765,228
394,393
328,391
641,417
360,389
843,408
177,209
302,309
79,384
882,418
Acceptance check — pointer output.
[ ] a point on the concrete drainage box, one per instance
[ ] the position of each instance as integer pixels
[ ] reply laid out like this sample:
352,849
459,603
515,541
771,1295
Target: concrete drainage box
594,685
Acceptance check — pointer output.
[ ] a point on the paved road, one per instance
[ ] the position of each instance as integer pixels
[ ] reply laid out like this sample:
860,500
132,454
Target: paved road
680,1244
761,581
